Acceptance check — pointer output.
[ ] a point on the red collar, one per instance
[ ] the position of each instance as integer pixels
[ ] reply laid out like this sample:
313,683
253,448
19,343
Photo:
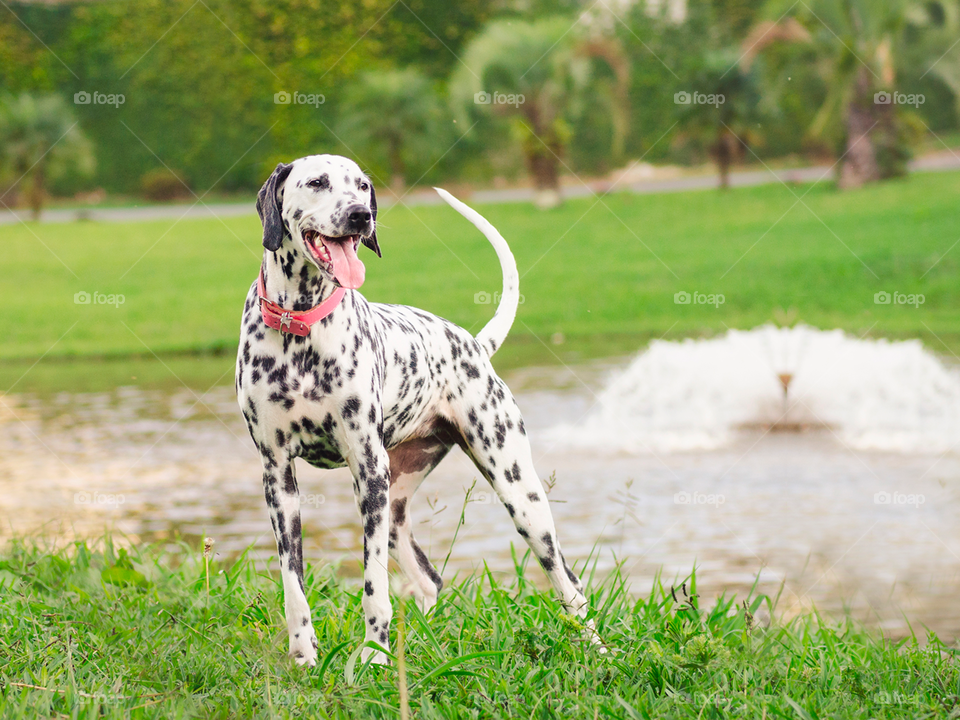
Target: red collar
295,322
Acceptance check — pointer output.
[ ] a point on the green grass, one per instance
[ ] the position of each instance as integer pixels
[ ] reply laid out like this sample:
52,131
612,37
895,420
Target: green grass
100,633
592,271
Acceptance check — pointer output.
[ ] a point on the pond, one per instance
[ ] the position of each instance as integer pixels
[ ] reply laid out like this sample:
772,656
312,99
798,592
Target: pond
844,490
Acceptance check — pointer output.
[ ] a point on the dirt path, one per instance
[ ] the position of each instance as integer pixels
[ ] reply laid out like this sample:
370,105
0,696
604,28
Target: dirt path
936,162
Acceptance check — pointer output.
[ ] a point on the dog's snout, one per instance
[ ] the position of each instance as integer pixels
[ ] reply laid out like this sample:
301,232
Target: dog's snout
358,216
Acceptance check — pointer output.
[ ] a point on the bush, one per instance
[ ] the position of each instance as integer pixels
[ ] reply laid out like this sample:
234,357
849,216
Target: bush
41,143
163,184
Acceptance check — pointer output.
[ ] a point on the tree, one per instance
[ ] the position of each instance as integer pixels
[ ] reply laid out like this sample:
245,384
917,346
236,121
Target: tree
722,110
532,73
862,49
39,142
392,119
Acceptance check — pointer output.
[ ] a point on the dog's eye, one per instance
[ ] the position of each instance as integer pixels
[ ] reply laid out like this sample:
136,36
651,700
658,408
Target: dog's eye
315,183
364,186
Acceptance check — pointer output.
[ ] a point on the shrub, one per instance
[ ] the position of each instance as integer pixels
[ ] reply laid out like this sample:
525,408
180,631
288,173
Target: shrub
163,184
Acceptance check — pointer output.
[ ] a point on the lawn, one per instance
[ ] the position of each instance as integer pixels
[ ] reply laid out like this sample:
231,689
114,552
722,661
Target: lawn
604,274
99,633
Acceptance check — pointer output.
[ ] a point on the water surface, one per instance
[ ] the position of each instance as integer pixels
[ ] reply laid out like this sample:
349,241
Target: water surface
846,528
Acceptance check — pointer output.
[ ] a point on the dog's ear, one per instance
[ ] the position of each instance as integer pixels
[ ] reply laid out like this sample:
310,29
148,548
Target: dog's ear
273,228
371,242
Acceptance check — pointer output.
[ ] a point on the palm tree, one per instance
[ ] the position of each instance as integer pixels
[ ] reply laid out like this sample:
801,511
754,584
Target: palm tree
39,142
728,125
532,72
862,48
393,118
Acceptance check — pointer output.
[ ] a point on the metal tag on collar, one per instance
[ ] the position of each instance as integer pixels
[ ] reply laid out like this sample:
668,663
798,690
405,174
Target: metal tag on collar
285,319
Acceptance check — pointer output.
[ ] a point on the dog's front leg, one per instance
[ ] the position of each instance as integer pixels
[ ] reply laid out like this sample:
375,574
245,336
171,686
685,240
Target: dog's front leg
283,501
371,485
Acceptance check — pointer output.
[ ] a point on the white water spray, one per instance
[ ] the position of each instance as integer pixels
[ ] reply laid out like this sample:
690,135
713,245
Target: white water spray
699,394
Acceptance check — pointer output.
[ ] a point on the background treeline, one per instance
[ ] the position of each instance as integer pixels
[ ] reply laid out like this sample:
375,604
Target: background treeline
199,78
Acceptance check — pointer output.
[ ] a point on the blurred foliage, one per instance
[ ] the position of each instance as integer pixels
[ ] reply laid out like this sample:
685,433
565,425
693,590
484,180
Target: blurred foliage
531,73
199,80
163,184
392,119
861,49
40,142
729,126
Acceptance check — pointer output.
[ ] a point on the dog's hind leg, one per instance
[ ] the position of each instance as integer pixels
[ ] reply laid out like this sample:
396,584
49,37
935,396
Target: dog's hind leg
283,501
410,463
493,429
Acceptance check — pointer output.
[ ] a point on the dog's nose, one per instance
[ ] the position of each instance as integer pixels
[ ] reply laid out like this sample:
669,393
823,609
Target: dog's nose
358,216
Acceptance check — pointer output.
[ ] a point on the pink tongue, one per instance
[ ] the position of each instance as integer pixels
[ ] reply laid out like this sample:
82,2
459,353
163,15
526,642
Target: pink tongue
347,267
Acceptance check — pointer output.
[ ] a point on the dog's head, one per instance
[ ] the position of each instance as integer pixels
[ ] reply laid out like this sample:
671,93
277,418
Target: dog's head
326,206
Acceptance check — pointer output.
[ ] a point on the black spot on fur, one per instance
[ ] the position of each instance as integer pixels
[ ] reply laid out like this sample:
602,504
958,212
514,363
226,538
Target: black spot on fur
350,407
399,511
548,542
425,565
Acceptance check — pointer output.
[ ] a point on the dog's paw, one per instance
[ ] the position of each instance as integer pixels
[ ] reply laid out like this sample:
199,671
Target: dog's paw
375,656
303,649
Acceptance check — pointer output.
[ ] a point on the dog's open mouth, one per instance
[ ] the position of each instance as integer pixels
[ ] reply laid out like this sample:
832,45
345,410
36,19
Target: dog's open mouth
339,255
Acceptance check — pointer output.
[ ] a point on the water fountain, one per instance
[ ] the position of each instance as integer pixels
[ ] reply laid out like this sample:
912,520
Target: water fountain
701,394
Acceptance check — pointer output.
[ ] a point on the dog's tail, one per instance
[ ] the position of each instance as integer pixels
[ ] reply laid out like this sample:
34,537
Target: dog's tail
495,331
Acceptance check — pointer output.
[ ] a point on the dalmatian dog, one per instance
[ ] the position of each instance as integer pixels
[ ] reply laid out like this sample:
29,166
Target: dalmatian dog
385,390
